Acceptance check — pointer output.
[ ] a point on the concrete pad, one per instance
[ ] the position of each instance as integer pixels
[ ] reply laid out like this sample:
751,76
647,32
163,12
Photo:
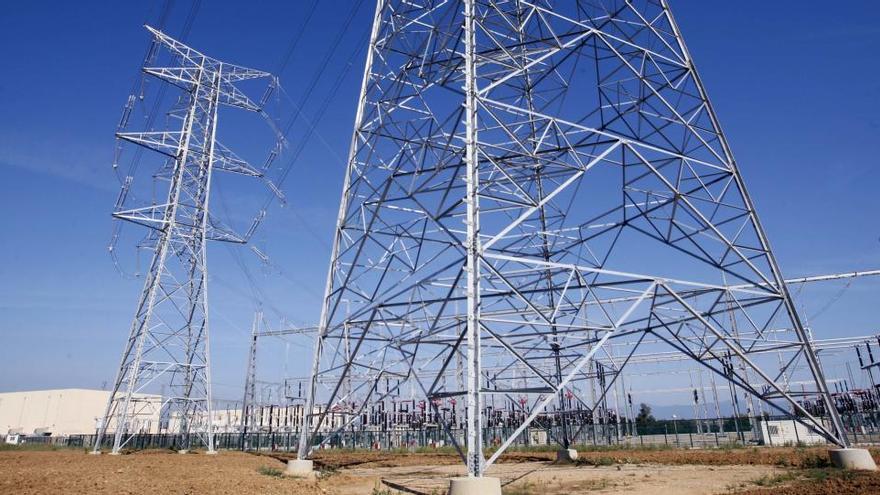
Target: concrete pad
302,468
211,452
566,456
852,459
183,451
94,452
475,486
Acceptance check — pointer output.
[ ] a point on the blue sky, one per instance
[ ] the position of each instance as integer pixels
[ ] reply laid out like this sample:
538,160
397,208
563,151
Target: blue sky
796,86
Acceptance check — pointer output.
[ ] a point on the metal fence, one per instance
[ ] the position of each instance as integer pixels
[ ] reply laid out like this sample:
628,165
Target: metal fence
673,433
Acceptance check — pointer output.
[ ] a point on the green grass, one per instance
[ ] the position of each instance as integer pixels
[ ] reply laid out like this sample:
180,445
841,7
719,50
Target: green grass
599,461
377,490
819,475
773,480
34,447
810,476
270,471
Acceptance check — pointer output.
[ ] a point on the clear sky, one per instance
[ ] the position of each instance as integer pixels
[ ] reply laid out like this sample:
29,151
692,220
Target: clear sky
796,85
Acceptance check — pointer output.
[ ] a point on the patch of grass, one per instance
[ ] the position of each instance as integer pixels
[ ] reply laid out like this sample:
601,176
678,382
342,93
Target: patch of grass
270,471
595,485
773,480
327,471
808,476
447,449
525,488
608,448
598,461
819,475
815,460
32,447
526,448
378,490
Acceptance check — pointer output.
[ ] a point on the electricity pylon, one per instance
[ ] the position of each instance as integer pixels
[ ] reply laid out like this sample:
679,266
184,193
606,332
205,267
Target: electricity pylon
531,184
168,345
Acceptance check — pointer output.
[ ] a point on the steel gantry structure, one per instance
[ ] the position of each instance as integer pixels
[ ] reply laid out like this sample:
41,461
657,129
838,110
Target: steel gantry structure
527,182
168,346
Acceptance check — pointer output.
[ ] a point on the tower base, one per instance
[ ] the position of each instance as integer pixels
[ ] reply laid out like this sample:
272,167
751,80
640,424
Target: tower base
566,456
302,468
852,459
475,486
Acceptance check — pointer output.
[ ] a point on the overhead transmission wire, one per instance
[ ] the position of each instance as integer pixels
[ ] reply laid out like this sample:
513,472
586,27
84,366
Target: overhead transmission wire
308,93
291,47
832,301
311,124
257,295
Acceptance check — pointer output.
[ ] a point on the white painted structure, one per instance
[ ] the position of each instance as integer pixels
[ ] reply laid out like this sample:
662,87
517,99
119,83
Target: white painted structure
61,412
787,432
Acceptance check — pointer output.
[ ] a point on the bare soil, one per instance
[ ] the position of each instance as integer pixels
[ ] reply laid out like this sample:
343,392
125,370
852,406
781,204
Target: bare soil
148,472
831,482
780,456
544,479
757,471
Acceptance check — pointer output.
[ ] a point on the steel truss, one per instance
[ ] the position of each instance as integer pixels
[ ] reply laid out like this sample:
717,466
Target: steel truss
516,167
168,345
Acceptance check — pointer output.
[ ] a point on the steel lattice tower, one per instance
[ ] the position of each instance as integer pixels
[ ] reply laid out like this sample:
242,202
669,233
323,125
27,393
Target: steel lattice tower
535,185
168,345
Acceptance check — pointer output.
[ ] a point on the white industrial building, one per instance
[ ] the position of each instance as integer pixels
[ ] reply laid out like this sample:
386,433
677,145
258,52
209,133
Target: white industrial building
76,411
61,412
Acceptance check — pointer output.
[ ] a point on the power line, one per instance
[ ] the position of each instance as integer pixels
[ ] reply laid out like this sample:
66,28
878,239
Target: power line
291,47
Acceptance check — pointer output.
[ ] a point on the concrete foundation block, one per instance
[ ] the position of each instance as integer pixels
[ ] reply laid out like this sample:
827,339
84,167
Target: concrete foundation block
183,451
211,452
852,459
475,486
566,456
301,468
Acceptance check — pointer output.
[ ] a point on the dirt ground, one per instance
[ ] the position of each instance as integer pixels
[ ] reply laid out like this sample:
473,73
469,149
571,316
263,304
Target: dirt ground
539,477
634,472
781,457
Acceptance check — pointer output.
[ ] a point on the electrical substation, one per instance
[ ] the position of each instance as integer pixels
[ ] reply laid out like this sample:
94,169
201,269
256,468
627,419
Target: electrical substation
544,243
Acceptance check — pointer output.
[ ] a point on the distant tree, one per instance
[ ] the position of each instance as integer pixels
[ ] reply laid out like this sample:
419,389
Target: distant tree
645,417
743,420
